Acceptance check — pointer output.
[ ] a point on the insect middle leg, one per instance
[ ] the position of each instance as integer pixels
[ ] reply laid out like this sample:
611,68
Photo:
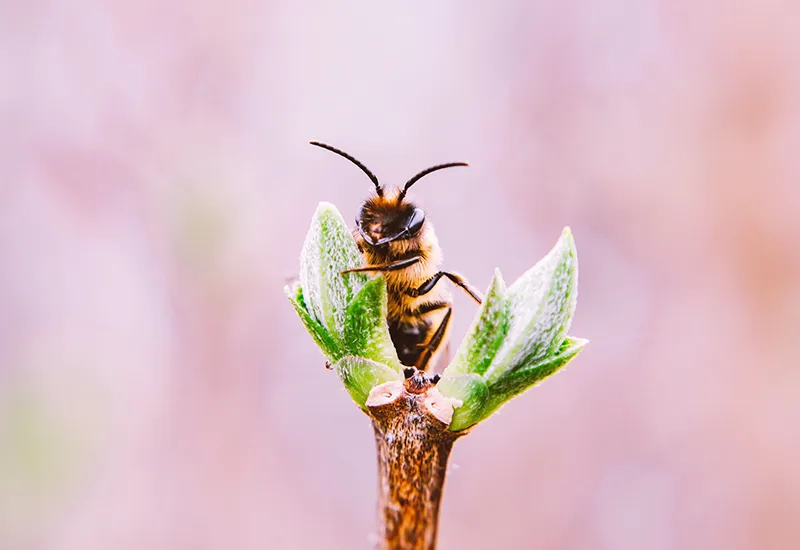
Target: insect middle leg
457,279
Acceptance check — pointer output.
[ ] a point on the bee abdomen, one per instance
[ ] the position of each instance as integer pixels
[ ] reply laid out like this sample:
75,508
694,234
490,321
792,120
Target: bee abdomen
411,331
407,339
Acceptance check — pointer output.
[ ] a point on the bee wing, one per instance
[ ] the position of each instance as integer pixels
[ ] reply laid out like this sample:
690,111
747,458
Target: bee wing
443,359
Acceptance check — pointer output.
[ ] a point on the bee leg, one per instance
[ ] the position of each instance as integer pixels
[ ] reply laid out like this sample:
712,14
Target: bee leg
408,337
394,266
457,279
435,341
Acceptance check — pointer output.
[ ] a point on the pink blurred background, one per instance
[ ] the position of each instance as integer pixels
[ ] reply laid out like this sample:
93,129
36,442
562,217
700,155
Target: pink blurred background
157,390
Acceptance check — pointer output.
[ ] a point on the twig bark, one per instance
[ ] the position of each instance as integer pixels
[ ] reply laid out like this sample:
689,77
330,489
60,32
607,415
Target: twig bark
410,420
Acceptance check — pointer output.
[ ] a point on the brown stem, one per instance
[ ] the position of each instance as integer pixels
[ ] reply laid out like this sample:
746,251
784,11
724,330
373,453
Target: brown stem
411,420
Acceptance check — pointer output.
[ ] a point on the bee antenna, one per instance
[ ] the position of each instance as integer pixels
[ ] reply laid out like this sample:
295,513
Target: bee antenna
355,161
424,173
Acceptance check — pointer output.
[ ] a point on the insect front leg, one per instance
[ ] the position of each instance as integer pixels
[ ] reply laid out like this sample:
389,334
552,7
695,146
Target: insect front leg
394,266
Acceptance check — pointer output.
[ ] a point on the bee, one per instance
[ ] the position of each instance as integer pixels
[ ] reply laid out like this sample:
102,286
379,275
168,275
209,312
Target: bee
396,239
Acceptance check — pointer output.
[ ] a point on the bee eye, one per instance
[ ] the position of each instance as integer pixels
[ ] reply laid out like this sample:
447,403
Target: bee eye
361,215
415,221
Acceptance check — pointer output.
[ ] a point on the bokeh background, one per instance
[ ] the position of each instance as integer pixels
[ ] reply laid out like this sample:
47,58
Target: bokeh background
157,390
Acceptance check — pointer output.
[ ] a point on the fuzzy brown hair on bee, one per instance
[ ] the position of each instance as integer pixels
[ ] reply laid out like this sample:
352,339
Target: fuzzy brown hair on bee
397,240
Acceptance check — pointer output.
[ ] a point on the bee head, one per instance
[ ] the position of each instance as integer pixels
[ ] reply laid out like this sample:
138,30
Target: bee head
384,219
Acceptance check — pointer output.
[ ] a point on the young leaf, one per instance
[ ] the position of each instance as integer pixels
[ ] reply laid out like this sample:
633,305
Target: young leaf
366,333
514,382
471,390
328,250
541,305
330,349
517,339
360,375
484,337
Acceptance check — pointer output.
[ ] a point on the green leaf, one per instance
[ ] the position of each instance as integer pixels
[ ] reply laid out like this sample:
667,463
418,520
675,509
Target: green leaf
366,333
330,349
328,250
344,313
541,305
486,334
517,339
360,375
514,382
471,390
